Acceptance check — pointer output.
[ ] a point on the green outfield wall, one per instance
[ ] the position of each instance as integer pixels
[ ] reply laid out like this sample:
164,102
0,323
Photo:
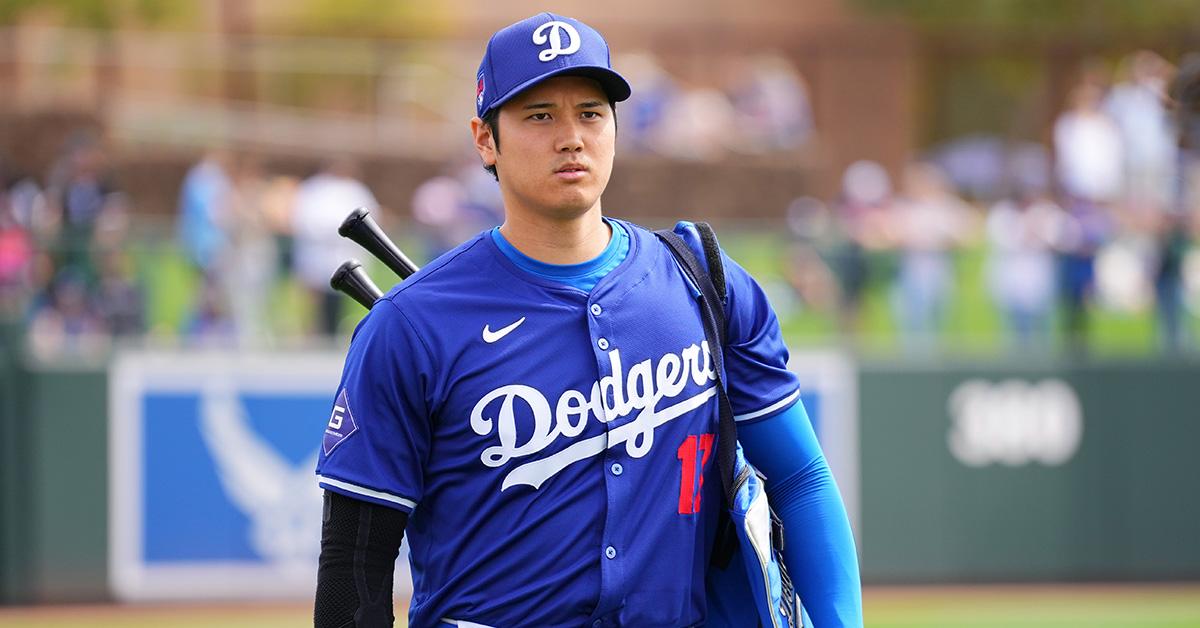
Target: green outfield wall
54,511
981,472
968,472
13,560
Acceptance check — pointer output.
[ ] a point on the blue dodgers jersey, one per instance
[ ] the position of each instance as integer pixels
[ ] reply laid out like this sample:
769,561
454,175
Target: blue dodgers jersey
555,448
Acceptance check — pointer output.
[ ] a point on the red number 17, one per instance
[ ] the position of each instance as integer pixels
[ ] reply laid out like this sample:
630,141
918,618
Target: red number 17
694,449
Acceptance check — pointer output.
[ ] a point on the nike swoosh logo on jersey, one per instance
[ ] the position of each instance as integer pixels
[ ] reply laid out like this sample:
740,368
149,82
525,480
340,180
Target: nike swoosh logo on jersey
490,336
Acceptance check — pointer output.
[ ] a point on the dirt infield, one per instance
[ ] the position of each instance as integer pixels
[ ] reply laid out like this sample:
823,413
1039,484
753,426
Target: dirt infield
975,606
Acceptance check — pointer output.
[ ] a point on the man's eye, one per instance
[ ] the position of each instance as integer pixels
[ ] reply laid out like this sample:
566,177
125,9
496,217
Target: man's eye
540,116
591,115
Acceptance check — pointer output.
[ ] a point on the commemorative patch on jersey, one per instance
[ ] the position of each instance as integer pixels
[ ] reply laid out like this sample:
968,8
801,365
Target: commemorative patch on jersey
341,424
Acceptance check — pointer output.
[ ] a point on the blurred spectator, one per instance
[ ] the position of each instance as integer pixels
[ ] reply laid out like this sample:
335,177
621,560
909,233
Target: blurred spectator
439,207
26,202
1023,234
67,323
210,324
80,192
483,203
249,265
1087,147
1138,106
863,215
978,165
1078,246
1124,272
321,203
930,222
1175,245
699,127
119,299
1185,100
816,241
204,201
643,114
16,256
277,202
974,164
451,208
771,107
1178,267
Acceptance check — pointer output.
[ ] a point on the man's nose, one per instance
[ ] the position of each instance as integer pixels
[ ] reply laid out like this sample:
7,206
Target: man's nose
571,138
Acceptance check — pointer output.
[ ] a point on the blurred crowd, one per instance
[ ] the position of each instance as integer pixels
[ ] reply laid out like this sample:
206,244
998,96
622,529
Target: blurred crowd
243,230
64,266
79,280
1098,217
747,106
75,276
1104,217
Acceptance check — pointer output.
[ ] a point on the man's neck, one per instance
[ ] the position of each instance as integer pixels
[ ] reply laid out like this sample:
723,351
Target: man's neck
571,241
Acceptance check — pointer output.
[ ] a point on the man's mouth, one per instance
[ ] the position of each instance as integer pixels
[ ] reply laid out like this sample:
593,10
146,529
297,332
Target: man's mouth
571,172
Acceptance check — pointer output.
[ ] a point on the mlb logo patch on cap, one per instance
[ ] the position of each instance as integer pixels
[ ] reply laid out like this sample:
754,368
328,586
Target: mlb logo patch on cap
535,49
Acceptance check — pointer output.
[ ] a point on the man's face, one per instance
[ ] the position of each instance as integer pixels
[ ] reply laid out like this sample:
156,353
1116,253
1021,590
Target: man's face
556,147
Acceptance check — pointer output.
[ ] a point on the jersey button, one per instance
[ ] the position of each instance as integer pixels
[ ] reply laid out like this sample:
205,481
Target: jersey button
596,309
617,469
597,623
610,552
602,343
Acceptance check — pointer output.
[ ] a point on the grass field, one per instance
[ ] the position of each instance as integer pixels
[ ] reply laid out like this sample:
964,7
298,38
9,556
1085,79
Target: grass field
972,326
1059,606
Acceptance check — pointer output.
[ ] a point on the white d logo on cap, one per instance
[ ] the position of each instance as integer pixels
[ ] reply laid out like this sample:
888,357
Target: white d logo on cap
555,39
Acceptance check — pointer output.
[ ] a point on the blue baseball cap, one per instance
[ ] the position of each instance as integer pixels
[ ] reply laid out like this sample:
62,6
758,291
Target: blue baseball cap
537,48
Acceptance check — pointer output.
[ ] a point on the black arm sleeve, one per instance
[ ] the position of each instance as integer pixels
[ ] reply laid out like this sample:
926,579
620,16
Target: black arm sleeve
359,545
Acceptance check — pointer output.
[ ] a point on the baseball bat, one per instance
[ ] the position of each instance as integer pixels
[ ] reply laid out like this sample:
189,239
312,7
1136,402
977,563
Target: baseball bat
351,279
361,228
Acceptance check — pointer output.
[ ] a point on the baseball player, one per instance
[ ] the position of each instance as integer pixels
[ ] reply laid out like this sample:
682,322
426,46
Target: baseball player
536,408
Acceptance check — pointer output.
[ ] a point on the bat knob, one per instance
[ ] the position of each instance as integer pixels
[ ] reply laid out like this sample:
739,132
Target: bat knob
353,218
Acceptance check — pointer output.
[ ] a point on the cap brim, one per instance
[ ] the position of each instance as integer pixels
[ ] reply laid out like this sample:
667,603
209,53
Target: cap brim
613,84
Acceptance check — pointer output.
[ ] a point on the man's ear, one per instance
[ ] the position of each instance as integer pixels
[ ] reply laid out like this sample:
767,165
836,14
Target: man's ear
484,143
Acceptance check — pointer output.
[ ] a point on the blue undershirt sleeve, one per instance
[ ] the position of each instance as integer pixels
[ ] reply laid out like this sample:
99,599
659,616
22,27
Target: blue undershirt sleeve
818,544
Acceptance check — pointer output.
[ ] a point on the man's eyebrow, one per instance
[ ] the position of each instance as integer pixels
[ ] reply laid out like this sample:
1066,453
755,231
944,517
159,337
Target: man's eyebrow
590,104
540,105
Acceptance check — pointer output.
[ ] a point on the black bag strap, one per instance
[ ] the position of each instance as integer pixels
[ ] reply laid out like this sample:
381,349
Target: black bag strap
716,266
711,283
712,313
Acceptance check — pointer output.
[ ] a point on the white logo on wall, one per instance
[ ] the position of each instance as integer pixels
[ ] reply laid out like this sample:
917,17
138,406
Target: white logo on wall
276,495
1014,422
554,38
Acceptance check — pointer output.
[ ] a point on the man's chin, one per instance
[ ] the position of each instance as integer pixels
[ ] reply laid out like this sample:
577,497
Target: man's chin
575,202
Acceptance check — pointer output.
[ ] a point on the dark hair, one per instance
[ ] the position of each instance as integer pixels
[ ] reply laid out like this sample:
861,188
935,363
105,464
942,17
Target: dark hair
492,120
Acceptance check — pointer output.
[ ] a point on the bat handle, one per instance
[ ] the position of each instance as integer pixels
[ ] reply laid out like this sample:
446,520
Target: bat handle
352,280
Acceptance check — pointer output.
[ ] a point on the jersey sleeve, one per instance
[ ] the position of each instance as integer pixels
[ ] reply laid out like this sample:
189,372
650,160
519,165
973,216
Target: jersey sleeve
378,436
757,378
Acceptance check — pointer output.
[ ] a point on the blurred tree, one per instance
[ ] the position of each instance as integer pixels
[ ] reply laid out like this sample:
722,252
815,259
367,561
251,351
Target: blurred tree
1042,17
1004,67
367,18
97,14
